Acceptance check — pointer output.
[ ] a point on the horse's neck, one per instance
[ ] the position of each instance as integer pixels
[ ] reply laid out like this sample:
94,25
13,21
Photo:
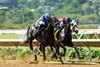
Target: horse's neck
49,30
68,28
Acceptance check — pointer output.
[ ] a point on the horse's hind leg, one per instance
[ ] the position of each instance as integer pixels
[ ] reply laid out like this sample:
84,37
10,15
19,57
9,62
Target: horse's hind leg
30,43
31,47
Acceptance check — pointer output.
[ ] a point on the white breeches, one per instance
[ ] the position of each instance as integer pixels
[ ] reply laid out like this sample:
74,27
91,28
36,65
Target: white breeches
38,23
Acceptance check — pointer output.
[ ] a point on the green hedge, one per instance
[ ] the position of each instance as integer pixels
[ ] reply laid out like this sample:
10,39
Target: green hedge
25,52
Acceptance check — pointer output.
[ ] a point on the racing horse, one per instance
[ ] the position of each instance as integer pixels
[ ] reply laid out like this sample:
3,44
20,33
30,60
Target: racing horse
65,36
45,39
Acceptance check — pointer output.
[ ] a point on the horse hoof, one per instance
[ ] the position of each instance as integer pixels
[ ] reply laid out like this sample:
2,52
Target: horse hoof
62,62
63,55
34,62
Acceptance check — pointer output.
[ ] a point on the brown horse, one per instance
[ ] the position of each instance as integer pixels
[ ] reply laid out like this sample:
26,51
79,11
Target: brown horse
46,39
65,36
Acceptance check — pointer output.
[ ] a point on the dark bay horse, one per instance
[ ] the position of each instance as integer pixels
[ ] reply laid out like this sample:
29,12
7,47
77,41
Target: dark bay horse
46,39
65,36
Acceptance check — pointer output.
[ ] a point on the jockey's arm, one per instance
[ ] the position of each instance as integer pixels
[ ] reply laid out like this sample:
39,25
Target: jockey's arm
41,25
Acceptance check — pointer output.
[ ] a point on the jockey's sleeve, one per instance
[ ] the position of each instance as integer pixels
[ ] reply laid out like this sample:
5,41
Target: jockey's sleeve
61,23
38,21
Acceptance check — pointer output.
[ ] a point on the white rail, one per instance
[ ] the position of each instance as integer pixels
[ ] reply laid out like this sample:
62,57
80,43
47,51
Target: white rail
82,32
87,31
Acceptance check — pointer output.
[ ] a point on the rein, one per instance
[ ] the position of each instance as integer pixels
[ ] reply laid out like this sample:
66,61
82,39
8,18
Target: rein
48,26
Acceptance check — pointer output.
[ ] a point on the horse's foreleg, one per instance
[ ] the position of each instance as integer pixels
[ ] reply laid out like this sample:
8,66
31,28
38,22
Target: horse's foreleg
76,50
57,52
44,57
51,48
64,48
64,51
42,49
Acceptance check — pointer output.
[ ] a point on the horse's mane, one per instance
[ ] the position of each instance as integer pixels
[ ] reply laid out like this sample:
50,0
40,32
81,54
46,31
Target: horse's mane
54,19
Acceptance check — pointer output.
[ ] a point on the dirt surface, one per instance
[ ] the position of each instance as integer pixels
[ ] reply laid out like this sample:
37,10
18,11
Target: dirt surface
24,63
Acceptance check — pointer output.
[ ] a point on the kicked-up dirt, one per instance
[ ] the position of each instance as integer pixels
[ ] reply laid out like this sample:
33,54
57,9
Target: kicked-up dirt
26,63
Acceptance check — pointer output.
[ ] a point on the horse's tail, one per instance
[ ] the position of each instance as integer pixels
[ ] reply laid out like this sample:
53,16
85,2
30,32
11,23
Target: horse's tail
28,35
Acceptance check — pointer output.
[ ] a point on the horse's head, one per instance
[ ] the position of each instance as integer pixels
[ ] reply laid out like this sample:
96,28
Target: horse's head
74,26
54,19
51,23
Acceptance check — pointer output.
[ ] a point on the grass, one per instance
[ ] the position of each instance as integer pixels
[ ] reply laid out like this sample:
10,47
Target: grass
10,53
10,36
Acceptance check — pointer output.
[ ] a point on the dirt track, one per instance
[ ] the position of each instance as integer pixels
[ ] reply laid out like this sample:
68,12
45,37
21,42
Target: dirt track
20,63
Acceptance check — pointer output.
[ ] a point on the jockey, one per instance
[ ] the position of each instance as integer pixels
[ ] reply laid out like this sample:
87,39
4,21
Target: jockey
57,26
56,30
62,22
42,22
68,20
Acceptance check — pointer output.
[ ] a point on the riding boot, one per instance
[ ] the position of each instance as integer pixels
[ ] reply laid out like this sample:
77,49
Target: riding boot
41,29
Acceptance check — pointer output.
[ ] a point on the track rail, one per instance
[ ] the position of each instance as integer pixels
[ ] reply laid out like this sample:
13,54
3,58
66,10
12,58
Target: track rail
77,42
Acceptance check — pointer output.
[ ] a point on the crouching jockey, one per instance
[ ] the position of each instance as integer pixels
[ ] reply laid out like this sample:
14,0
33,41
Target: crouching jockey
59,26
42,23
56,30
62,22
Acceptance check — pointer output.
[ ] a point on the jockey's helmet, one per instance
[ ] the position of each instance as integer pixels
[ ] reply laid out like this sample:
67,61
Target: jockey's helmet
47,15
57,23
68,20
63,19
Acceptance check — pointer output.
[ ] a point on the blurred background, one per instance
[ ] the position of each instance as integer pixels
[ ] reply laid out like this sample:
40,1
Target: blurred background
19,14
